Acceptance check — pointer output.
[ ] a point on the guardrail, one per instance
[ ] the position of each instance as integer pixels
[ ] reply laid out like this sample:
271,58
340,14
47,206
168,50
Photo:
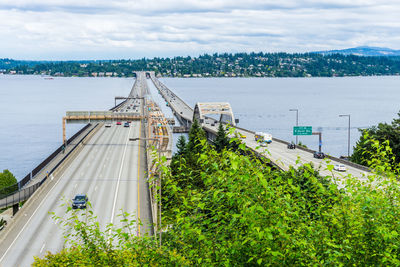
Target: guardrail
160,86
18,186
355,165
12,189
25,193
16,193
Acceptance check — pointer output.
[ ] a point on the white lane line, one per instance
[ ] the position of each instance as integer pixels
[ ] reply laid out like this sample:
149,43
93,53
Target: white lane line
119,178
27,222
75,186
41,250
95,189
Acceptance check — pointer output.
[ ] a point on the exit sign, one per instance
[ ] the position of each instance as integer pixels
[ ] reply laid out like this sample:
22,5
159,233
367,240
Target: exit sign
302,130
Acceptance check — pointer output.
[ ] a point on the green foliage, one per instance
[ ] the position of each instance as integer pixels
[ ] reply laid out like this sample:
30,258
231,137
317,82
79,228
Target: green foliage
181,145
89,245
196,135
248,214
219,65
387,135
2,222
222,140
8,183
229,209
196,144
302,145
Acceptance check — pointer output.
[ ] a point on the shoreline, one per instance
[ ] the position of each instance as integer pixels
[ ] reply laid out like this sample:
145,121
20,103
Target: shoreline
202,77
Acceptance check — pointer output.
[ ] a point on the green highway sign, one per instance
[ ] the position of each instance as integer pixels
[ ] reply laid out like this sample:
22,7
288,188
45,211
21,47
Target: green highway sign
302,130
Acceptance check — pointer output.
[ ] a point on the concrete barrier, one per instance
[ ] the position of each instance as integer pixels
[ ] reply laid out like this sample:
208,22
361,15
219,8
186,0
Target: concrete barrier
36,196
355,165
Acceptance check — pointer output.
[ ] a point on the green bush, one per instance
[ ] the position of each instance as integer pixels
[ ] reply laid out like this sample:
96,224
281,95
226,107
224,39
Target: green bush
246,213
8,183
226,208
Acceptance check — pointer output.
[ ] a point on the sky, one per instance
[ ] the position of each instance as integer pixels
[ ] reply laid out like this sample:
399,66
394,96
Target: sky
131,29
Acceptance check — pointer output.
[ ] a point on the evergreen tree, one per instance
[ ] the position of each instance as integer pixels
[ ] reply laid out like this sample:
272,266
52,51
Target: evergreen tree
196,134
181,145
222,140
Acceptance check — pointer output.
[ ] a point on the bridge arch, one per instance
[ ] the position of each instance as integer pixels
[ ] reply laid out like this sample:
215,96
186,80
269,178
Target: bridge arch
201,110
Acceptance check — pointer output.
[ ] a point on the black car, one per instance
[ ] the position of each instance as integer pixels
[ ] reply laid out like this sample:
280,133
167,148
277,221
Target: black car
319,155
79,202
291,146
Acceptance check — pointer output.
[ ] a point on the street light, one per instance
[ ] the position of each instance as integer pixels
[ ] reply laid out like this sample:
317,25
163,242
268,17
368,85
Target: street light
159,171
348,141
297,121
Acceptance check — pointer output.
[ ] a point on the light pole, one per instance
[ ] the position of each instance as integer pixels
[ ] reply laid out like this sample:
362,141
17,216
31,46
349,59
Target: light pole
297,121
159,172
348,133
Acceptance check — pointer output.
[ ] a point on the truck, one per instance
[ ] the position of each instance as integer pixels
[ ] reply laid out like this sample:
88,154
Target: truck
263,138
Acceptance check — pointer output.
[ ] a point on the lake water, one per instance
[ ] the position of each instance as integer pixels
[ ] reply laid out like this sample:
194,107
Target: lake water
31,111
31,108
262,104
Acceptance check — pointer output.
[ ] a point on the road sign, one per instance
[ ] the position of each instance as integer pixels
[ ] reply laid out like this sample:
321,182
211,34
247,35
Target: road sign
302,130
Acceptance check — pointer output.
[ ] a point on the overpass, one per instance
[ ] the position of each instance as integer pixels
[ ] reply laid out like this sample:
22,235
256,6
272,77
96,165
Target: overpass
277,151
112,165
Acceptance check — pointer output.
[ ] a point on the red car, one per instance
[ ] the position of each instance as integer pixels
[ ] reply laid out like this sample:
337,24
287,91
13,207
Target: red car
119,123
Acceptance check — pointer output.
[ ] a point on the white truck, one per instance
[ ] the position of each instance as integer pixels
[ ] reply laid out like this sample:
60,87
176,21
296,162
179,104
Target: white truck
263,138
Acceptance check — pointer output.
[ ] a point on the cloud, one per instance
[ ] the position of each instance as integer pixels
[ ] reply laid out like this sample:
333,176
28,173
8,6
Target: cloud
47,29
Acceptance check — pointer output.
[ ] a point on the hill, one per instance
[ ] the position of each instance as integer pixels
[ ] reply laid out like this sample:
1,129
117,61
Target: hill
366,51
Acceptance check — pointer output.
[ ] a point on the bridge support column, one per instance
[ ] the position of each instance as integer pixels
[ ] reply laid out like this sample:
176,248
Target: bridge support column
15,208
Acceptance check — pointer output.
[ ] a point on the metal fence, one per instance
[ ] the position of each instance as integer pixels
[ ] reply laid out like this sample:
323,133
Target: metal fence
16,193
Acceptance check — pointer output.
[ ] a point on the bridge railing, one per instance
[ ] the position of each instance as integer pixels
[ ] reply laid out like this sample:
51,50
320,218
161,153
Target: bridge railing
352,164
9,197
16,192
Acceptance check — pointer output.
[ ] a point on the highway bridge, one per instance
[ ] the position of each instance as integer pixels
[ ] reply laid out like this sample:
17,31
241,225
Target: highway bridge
110,166
277,151
113,166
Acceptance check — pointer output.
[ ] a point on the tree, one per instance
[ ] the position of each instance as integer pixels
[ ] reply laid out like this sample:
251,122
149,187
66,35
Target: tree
381,133
222,140
196,134
8,183
181,145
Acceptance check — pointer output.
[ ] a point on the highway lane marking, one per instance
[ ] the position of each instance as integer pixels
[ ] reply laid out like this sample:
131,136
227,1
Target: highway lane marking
27,222
138,179
41,250
119,178
95,189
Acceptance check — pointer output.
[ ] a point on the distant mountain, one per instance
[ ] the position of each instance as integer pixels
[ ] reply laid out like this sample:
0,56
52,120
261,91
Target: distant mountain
363,51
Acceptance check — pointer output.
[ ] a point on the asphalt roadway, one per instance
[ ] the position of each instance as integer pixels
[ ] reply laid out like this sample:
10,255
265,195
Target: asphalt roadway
110,169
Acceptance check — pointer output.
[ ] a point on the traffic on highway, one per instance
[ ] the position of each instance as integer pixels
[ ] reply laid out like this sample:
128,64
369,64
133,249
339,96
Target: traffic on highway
106,176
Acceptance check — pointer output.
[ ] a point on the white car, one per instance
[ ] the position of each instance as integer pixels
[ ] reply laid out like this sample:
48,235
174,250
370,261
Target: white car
107,125
339,167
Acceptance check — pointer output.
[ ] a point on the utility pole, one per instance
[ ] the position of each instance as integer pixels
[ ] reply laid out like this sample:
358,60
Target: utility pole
348,135
297,122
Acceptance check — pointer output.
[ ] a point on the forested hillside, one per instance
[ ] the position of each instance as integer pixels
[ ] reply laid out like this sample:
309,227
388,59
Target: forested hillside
218,65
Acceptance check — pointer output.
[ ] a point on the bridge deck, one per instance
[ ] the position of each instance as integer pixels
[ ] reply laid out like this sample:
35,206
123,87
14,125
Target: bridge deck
109,168
277,150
